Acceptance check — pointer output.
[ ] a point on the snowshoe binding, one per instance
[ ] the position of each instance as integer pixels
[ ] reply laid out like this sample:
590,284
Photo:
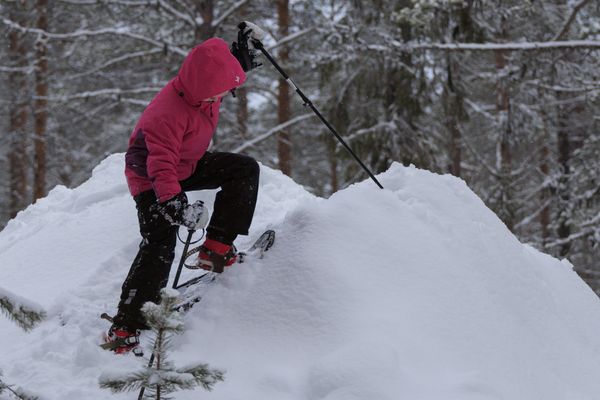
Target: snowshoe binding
122,340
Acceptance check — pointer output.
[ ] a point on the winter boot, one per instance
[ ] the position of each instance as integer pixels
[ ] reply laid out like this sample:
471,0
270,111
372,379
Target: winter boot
215,256
124,340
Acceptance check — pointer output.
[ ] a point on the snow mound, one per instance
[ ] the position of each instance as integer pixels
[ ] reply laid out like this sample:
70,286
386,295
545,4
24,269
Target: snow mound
417,291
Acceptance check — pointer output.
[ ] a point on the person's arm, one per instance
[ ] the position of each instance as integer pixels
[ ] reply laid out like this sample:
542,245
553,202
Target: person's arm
163,140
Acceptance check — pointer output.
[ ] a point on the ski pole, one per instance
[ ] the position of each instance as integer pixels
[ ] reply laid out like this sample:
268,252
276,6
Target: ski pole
175,282
182,260
258,45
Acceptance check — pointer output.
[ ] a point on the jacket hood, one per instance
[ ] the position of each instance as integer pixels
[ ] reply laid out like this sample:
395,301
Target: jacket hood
208,70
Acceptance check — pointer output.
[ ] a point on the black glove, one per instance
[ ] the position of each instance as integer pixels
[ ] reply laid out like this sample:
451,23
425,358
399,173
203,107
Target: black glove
240,50
178,211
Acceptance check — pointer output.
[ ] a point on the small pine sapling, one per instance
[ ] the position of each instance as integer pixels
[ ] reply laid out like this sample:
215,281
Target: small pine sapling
24,313
163,378
16,393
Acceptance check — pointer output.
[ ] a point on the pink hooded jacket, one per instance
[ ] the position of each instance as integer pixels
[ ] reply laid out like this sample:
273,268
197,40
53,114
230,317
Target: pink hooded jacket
176,128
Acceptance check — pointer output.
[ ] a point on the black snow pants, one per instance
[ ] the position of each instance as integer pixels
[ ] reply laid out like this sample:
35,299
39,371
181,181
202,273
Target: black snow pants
237,176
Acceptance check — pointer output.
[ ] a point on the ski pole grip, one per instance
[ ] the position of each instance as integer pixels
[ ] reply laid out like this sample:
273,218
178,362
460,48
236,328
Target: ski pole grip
256,32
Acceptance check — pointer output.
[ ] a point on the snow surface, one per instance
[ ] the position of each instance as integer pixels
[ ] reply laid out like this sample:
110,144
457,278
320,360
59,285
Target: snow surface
414,292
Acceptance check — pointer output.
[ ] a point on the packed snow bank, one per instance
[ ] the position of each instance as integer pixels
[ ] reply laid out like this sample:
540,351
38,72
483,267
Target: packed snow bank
417,291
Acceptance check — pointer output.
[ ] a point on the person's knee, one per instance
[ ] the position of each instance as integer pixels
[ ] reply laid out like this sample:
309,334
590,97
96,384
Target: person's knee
250,166
254,167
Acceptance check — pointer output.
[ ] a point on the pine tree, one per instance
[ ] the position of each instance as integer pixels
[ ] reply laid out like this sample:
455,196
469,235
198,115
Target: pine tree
25,315
163,378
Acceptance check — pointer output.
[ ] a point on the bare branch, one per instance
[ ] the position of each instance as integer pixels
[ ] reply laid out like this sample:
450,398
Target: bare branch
565,28
106,31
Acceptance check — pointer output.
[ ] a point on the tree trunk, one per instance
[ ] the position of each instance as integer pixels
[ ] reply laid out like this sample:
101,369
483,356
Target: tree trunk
464,31
284,147
453,108
545,193
564,196
242,111
504,150
545,169
40,104
18,122
333,164
206,10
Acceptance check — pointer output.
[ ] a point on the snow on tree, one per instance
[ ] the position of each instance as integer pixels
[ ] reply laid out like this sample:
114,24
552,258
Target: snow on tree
26,315
23,312
162,377
15,393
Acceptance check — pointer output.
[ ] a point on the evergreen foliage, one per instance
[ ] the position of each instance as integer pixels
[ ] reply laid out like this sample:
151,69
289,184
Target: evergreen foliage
14,393
25,316
163,377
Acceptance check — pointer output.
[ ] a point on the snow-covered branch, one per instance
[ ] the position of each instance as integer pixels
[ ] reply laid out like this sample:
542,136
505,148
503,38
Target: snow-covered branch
117,2
103,92
570,20
173,11
291,37
272,131
106,31
516,46
140,3
589,228
381,126
25,313
564,89
228,12
122,58
25,70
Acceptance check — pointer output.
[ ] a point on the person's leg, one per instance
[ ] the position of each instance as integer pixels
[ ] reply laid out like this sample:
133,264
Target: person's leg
150,269
237,176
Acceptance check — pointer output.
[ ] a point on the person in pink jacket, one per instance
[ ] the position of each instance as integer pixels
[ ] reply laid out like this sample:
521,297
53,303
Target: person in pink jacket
167,156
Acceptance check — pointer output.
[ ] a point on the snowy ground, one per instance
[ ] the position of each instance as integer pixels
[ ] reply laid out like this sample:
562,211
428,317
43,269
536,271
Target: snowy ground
414,292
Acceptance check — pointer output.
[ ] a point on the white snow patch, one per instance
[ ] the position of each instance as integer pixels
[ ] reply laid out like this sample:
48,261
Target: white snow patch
417,291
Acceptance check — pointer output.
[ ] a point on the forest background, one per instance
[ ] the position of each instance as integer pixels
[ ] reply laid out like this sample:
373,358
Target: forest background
503,94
